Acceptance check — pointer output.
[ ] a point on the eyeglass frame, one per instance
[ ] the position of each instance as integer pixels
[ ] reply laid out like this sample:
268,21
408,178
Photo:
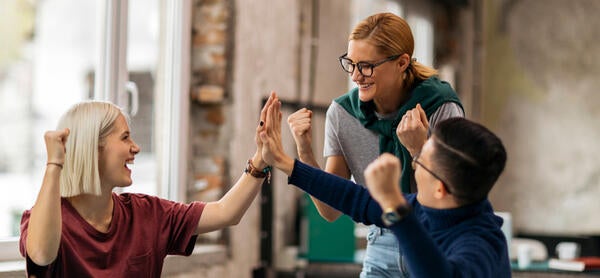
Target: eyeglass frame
361,64
415,160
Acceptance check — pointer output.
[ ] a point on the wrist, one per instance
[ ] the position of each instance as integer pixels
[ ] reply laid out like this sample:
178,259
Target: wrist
285,164
258,162
392,203
305,154
54,164
252,170
393,215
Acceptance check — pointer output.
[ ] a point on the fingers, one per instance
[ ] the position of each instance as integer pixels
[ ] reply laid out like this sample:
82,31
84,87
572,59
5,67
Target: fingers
414,118
56,144
263,112
382,177
422,116
273,116
300,121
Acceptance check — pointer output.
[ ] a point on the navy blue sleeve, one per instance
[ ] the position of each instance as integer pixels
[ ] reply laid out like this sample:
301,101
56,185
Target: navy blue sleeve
341,194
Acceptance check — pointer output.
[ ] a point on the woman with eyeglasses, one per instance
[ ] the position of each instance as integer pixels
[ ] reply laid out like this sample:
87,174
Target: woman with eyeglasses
393,91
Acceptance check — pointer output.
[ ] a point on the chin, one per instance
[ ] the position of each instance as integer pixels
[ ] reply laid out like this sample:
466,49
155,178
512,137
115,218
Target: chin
365,96
125,184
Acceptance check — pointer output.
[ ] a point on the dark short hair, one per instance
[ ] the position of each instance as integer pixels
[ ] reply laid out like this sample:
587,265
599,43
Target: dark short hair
469,156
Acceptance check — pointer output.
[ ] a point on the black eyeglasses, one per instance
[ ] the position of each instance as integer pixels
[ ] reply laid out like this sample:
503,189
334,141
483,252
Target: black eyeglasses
365,68
416,161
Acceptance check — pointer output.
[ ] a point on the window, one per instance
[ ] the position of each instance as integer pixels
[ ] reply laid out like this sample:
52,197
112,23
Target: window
59,52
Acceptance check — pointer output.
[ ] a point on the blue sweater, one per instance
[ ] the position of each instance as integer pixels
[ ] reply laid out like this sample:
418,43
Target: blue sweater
461,242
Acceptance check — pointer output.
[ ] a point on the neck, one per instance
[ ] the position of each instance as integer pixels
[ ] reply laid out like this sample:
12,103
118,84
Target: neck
447,202
390,102
96,210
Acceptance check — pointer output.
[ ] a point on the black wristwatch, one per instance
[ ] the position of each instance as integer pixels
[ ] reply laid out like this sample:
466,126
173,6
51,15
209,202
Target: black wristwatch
392,216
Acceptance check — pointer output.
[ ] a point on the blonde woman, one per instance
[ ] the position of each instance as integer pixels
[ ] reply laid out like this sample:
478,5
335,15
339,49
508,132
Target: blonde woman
79,228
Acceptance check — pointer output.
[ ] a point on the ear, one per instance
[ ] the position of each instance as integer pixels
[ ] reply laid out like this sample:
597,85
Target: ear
440,191
403,62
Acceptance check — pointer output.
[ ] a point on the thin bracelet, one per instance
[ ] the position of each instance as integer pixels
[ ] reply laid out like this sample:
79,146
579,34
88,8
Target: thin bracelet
55,163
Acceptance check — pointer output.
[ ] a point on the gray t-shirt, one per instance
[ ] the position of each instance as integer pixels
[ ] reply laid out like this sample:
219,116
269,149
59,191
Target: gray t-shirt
346,136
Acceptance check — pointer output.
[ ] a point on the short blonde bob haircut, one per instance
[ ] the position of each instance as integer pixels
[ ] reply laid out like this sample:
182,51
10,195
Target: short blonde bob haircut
89,122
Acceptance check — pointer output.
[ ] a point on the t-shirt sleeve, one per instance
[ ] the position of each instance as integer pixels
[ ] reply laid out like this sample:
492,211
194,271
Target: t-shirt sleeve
32,269
331,145
181,222
445,111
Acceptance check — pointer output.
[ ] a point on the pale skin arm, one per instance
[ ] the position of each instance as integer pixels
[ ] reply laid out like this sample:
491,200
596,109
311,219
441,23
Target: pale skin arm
45,221
300,125
231,207
412,129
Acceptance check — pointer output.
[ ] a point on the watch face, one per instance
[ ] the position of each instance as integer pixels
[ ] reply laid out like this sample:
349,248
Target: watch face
390,218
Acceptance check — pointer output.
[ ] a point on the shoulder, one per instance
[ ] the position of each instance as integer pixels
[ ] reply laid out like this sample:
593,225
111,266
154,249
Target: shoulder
349,101
153,203
335,109
143,201
446,111
434,83
135,199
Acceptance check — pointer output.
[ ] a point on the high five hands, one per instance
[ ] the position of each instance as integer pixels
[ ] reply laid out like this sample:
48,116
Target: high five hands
412,129
270,137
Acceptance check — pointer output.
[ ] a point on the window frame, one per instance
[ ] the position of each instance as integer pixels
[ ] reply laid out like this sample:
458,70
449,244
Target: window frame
173,108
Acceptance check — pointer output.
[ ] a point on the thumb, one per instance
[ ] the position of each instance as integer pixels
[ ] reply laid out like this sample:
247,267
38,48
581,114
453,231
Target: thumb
422,115
263,137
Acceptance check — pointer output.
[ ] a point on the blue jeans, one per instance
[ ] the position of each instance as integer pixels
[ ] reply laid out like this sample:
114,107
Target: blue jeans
383,257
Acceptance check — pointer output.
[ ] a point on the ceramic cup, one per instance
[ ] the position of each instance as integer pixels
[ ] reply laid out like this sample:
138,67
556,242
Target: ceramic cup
524,255
567,250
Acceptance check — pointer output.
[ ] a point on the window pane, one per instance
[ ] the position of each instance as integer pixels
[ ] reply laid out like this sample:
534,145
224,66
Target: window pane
142,57
46,68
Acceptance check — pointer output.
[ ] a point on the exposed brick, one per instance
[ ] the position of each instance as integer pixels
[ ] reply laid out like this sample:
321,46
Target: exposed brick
209,36
208,94
215,115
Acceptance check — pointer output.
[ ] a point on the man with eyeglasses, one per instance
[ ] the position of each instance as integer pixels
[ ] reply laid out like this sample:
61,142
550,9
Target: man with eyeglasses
448,228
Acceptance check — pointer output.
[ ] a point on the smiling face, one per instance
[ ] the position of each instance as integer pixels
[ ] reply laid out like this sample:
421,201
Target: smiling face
385,85
116,151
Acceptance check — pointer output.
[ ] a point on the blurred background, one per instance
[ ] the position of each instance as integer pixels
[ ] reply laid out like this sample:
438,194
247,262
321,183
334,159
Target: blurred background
194,75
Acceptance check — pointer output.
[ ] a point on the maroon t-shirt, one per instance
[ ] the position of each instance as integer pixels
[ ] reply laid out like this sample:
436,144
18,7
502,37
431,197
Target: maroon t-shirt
144,229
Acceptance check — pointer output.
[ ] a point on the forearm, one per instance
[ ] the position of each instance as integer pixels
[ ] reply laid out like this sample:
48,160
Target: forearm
327,212
45,222
307,157
337,192
228,211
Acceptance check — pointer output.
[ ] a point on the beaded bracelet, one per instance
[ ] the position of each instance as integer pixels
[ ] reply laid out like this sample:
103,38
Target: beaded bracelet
265,173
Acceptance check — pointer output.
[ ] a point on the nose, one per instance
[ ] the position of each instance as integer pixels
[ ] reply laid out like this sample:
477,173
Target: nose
356,75
135,149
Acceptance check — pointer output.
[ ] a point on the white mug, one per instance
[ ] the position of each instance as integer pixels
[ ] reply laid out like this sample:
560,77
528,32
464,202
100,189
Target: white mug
567,250
524,255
